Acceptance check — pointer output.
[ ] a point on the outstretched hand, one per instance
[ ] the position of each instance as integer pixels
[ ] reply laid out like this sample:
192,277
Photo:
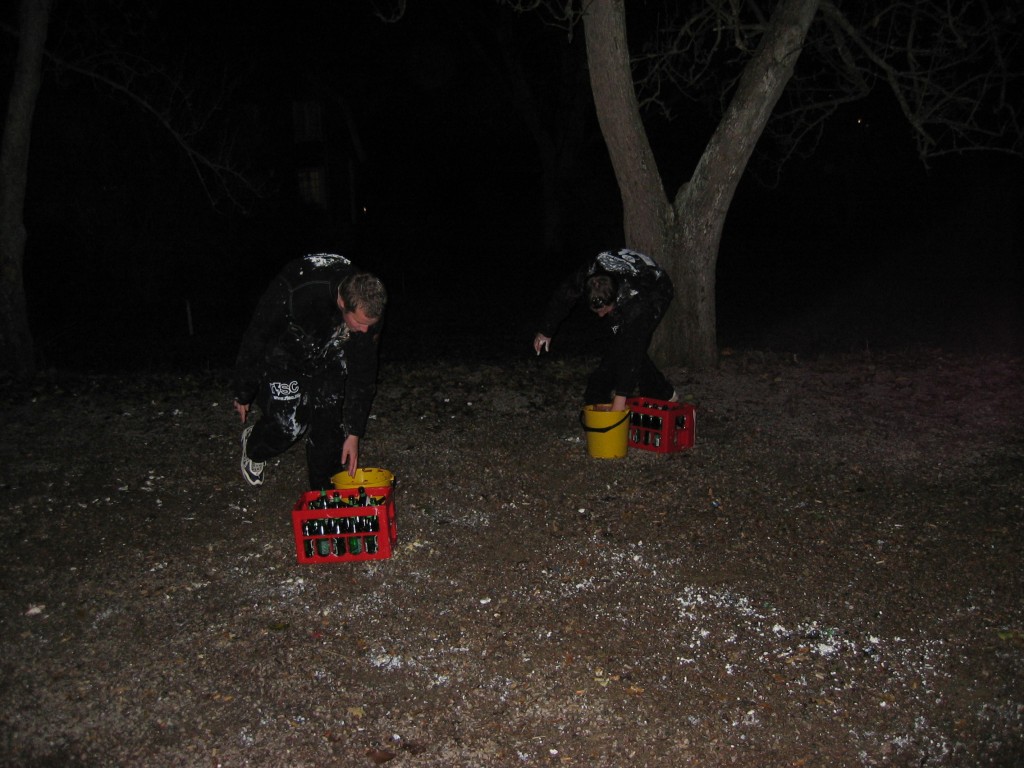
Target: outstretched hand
540,341
242,411
350,454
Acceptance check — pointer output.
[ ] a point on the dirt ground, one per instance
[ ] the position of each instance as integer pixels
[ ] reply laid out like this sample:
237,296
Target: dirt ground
831,576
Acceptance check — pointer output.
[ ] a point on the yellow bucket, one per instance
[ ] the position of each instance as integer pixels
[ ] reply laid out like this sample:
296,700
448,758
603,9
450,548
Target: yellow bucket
368,477
607,432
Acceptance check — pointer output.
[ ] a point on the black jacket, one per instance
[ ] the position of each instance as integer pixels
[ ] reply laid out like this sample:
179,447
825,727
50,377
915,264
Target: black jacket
645,291
298,328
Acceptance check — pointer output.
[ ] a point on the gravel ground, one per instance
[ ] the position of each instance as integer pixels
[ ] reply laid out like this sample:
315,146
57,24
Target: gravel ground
831,576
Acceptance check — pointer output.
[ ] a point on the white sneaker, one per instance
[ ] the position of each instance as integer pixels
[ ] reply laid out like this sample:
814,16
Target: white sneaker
252,471
675,397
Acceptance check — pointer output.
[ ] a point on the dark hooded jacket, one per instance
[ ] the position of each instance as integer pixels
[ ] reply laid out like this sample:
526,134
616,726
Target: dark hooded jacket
644,293
298,328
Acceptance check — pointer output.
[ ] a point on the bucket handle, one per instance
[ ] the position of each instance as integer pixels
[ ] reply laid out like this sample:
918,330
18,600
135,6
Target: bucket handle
609,428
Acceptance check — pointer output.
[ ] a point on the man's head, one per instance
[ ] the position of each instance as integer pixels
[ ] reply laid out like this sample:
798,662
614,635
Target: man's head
601,292
361,299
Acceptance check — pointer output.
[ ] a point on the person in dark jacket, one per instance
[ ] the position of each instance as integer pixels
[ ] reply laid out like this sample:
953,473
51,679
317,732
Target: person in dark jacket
309,361
631,292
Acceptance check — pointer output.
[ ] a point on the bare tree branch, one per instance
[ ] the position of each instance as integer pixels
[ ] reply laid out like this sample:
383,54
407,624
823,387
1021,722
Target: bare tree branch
93,54
955,68
131,77
563,14
392,15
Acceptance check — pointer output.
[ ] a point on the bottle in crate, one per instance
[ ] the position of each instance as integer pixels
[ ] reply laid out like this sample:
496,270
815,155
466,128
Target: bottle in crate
665,426
360,523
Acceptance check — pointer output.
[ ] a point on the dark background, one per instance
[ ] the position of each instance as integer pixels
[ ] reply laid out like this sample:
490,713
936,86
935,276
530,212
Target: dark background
859,246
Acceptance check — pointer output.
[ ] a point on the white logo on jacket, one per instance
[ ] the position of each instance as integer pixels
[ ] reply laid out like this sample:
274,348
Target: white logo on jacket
284,390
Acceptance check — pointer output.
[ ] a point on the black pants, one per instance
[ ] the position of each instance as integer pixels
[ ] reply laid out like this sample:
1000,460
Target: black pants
293,406
623,358
601,383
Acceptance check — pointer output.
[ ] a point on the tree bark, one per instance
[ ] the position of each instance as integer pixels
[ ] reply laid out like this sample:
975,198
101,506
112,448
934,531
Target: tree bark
684,235
646,208
16,349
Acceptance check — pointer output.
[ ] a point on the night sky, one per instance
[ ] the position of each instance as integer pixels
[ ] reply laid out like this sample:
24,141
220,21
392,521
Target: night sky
434,184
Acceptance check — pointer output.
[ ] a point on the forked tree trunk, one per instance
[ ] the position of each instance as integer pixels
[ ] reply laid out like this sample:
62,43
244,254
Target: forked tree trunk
684,235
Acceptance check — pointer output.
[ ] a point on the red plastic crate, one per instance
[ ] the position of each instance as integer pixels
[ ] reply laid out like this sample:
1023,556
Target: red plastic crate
661,426
366,530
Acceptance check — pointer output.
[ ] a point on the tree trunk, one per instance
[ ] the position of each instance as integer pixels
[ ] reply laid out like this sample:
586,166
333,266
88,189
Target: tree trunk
645,206
684,236
16,351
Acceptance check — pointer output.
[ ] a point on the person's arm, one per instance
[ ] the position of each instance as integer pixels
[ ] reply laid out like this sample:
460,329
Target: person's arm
360,387
559,306
618,403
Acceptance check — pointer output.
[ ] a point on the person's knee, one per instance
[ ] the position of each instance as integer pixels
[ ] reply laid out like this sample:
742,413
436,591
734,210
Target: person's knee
289,427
